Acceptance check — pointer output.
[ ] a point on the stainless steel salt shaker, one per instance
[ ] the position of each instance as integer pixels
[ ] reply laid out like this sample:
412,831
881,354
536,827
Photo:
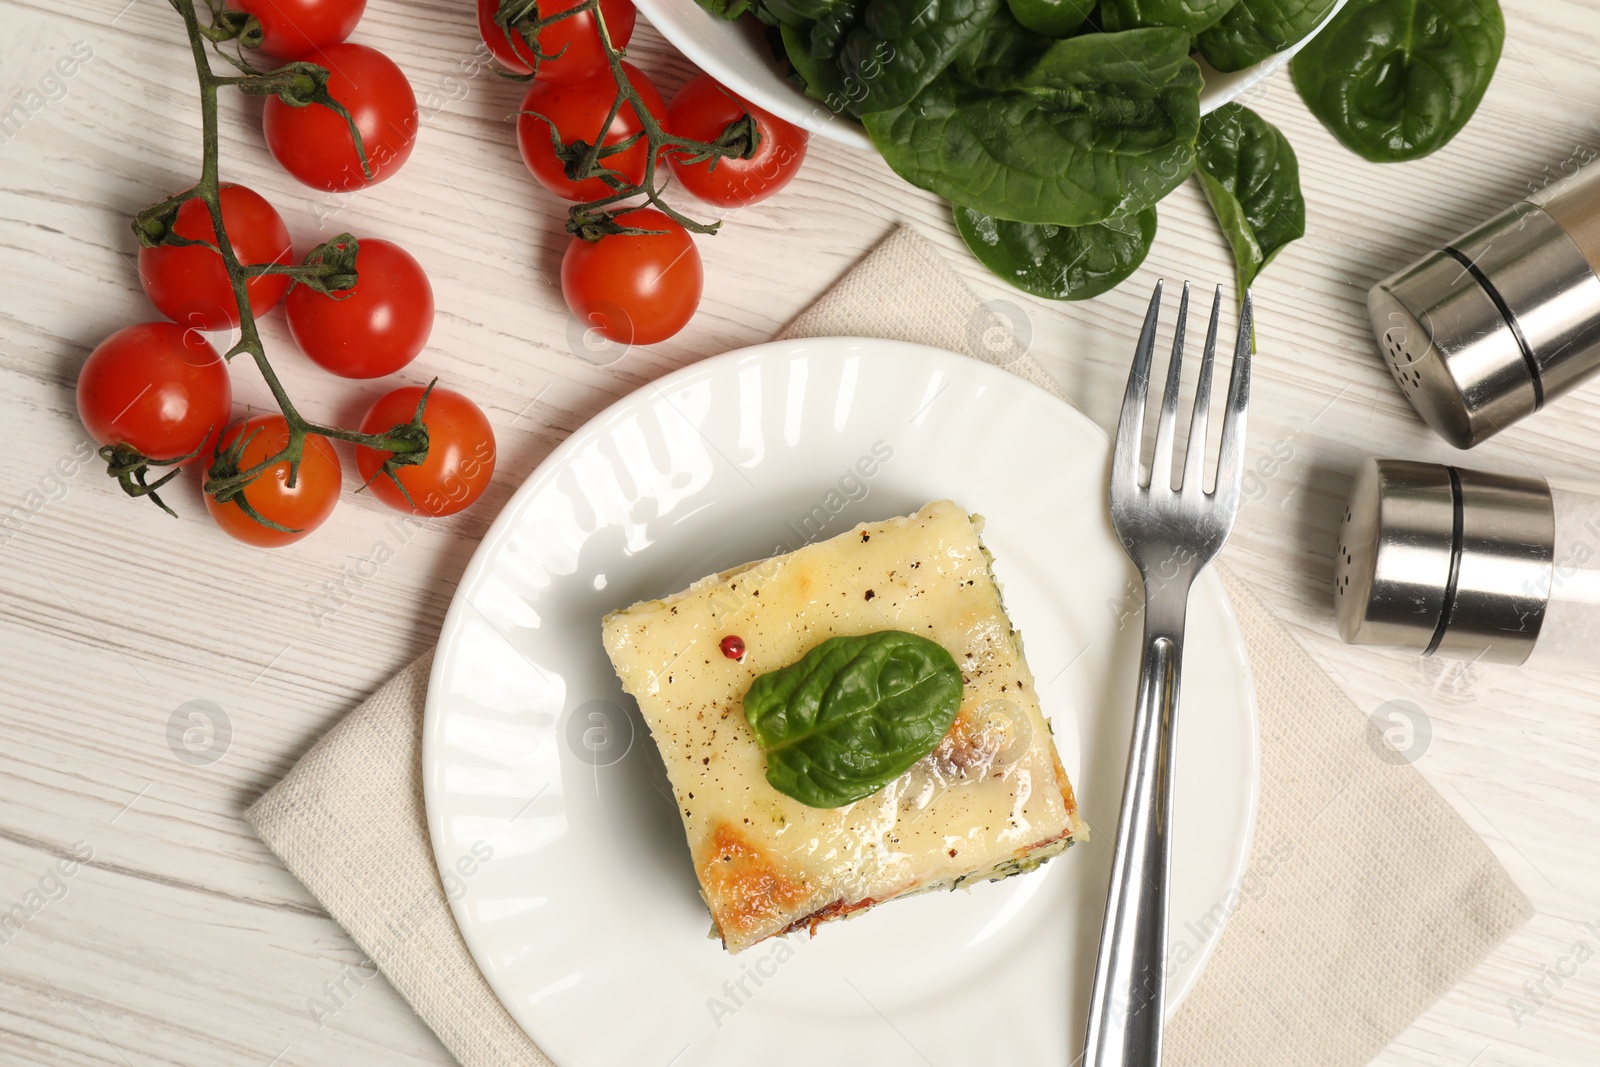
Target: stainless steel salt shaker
1470,565
1500,322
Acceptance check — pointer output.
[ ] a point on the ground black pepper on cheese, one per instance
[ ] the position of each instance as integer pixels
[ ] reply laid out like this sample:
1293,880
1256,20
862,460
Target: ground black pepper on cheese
989,802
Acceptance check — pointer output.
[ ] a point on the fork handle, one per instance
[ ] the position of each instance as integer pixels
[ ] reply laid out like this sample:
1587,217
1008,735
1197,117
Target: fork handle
1126,1006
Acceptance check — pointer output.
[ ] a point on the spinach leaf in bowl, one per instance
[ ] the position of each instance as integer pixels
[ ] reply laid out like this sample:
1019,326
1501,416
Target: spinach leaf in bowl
799,12
1252,30
1053,18
1059,262
727,9
1095,127
1252,180
1397,81
872,55
1191,15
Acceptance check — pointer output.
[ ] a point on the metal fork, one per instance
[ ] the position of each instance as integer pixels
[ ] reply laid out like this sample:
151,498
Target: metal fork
1170,534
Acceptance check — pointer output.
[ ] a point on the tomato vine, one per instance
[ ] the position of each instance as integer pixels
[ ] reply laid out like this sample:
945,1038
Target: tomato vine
329,269
591,220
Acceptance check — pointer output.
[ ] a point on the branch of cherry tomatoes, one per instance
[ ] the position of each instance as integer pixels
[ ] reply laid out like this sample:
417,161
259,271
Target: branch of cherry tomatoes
157,396
594,130
341,116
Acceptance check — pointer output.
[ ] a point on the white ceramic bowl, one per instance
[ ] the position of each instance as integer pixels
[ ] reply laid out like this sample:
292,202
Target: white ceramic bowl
736,54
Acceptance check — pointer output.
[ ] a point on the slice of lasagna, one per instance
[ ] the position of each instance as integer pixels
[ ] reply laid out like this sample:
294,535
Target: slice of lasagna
989,801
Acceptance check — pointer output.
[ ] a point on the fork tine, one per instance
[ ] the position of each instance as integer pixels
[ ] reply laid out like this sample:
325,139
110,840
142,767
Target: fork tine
1166,423
1194,464
1230,465
1130,428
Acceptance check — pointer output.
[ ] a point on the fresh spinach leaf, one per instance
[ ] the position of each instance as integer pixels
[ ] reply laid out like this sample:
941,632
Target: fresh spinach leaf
1395,81
1059,262
799,12
1252,180
1191,15
1096,127
1000,52
1053,18
873,55
727,9
853,714
817,77
827,33
1252,30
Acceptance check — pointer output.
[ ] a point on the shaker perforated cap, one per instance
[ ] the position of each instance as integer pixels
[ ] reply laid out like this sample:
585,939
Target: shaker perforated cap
1485,331
1444,560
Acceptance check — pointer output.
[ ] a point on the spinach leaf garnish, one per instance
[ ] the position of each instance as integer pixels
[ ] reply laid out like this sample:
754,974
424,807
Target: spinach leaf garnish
1396,81
1252,180
1094,127
853,714
1059,262
1252,30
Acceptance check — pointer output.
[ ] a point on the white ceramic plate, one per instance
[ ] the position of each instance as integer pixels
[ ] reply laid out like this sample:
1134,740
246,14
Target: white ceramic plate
549,808
736,54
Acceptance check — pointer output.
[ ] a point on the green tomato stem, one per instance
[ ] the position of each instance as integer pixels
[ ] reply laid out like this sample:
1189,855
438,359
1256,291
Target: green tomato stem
154,223
655,136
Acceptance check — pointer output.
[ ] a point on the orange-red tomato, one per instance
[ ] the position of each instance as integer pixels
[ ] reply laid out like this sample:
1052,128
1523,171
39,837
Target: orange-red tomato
578,109
189,285
701,111
301,507
636,290
373,328
292,28
460,452
313,142
574,42
157,387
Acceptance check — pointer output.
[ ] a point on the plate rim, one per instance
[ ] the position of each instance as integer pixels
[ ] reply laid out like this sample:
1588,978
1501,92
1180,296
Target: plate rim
487,547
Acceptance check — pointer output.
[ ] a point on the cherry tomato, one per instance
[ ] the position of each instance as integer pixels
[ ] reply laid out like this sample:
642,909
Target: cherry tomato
701,111
188,284
313,142
460,452
574,41
157,387
302,507
292,28
634,289
373,328
579,108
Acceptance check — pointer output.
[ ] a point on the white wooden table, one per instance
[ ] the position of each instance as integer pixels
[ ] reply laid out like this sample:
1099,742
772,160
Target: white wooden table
183,941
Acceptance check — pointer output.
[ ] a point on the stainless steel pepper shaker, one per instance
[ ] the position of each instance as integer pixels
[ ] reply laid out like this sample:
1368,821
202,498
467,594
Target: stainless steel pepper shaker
1470,565
1500,322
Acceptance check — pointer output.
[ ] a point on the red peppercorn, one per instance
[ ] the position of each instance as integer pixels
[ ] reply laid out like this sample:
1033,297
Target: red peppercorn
733,646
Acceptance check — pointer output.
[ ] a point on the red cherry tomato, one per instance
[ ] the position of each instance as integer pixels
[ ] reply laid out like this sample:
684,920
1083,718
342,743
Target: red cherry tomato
292,28
634,289
157,387
460,452
701,111
373,328
578,108
188,284
574,41
313,142
301,507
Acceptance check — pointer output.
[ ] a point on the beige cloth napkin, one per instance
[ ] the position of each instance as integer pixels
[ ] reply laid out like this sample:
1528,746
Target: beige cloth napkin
1367,896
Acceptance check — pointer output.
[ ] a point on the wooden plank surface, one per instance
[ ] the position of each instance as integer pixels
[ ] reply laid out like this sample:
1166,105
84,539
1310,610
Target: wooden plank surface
178,939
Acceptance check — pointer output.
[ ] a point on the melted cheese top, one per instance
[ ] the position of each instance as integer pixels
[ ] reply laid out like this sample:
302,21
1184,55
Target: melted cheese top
992,791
